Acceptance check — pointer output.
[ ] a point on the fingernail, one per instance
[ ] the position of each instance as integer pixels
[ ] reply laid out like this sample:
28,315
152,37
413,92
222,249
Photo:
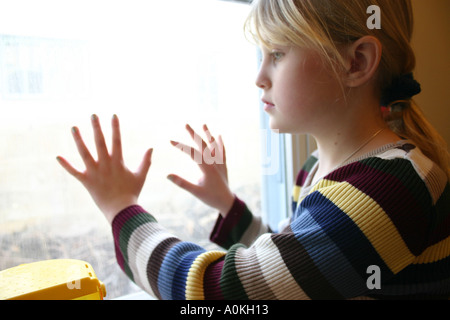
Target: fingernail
94,117
74,129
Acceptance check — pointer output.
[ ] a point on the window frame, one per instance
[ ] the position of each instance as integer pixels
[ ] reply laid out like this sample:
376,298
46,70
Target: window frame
292,151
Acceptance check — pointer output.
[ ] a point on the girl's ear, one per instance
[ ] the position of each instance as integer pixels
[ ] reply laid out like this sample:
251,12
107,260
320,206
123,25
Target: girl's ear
363,58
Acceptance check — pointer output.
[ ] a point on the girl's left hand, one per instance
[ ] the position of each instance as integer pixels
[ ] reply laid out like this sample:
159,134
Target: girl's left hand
110,183
212,188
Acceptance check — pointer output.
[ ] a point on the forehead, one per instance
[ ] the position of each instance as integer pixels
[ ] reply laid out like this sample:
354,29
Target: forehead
271,48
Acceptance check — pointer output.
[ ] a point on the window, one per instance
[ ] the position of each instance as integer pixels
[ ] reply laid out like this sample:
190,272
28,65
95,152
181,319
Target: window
158,65
41,68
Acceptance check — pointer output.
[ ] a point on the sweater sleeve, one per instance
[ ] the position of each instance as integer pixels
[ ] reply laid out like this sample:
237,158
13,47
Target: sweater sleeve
169,268
350,221
238,226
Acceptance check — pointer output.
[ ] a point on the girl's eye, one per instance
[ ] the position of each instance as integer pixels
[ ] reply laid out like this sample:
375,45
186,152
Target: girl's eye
276,55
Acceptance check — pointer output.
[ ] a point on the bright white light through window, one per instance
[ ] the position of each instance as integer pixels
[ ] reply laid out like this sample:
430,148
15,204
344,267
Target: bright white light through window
156,64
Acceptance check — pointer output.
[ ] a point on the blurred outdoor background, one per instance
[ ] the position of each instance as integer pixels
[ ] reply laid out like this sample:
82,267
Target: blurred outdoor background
156,64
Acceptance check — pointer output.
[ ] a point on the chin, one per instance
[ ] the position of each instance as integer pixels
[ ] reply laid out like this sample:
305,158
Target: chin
275,128
287,128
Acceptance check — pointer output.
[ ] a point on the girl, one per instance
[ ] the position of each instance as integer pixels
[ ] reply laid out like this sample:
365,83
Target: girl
371,206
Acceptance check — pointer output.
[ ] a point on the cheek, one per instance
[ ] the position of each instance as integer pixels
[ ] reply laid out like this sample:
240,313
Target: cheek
310,86
307,96
296,91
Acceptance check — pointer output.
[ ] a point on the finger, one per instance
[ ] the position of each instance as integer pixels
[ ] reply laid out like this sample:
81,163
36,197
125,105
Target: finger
215,144
209,137
116,152
102,150
211,140
224,157
145,164
184,184
82,149
69,168
197,138
222,148
192,152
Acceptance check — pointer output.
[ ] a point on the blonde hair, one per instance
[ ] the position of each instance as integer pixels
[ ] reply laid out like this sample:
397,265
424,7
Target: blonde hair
326,25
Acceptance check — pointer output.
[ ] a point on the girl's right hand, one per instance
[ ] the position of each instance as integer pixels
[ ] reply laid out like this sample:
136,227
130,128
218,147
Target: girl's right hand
212,188
111,184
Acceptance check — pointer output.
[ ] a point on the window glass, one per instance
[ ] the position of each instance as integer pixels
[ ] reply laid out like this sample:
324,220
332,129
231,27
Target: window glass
156,64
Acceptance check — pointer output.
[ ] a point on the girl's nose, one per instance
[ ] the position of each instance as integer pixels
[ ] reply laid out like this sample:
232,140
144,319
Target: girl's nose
262,80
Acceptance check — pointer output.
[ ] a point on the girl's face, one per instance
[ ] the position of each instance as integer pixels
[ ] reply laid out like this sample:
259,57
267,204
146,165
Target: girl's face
300,93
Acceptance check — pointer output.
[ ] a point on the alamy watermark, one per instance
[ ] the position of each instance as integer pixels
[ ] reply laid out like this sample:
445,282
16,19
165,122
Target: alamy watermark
74,275
374,280
213,153
374,21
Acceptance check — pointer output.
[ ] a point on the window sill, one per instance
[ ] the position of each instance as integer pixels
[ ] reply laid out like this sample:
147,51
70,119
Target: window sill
142,295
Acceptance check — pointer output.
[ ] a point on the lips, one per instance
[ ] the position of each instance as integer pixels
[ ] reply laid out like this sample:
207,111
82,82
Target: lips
268,105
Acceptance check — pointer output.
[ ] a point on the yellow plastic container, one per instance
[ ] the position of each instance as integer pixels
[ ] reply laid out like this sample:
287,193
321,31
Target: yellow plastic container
60,279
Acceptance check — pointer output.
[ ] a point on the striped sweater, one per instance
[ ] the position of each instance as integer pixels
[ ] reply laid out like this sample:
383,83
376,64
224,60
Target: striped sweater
377,227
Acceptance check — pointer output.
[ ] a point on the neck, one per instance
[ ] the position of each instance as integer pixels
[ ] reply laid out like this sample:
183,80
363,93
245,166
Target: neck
357,135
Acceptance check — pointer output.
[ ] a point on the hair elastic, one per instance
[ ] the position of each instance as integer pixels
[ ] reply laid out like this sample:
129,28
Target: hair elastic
403,87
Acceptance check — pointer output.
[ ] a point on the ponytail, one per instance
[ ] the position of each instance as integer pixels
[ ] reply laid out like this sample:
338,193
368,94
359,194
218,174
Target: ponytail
407,120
